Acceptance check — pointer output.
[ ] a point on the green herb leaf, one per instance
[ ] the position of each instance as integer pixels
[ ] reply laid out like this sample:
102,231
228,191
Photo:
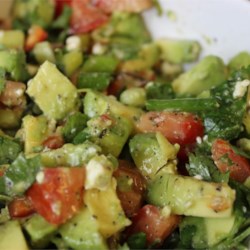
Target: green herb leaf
137,241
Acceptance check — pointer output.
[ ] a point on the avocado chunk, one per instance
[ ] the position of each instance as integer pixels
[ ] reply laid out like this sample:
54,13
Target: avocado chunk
109,132
70,155
96,104
81,232
72,61
106,208
147,57
135,97
35,131
205,232
55,95
34,12
100,63
43,52
10,118
189,196
153,154
240,60
14,62
12,39
179,51
39,230
11,236
208,73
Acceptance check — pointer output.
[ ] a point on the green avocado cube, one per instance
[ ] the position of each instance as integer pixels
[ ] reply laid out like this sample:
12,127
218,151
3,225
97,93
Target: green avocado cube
55,95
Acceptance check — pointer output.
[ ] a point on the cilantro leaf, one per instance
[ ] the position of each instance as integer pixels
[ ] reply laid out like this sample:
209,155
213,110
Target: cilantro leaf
226,121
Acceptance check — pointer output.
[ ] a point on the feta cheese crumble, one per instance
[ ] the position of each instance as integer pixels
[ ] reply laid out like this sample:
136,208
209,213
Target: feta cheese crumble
240,88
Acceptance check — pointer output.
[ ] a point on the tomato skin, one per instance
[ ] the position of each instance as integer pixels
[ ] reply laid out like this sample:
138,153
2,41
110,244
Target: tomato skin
156,226
237,165
60,5
177,127
86,17
59,195
53,142
110,6
20,207
36,34
131,199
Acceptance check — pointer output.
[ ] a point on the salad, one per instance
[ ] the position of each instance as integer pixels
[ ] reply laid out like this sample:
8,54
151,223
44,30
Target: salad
106,142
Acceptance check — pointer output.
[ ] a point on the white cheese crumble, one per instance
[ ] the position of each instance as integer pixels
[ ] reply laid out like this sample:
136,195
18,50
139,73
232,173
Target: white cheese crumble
98,49
56,208
166,211
198,140
98,173
240,88
198,177
73,43
40,177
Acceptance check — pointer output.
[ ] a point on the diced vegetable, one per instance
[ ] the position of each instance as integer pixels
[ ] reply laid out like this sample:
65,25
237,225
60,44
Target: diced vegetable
20,175
43,52
154,223
39,230
70,155
109,132
9,149
36,34
93,17
14,62
208,73
13,39
228,161
240,60
75,123
8,232
35,131
50,84
153,154
179,51
106,208
57,193
81,232
189,196
130,187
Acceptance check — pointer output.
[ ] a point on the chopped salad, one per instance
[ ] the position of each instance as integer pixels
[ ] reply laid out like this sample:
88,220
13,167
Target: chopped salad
106,142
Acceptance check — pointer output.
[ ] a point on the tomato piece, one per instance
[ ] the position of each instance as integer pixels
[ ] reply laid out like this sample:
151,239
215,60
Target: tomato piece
20,207
177,127
60,5
54,142
131,187
110,6
59,193
86,17
156,226
227,160
36,34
